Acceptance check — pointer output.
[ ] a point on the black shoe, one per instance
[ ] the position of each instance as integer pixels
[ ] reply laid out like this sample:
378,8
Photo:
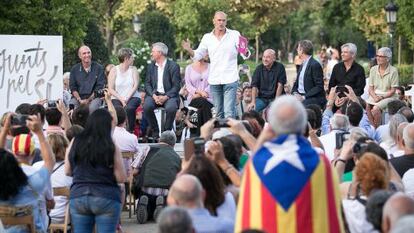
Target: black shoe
158,208
142,213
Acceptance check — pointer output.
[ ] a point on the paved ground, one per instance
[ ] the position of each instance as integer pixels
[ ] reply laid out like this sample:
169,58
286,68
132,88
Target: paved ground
130,225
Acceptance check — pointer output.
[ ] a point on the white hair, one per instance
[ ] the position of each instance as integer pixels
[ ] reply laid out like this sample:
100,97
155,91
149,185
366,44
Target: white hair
394,122
352,48
66,75
287,115
408,139
339,122
386,51
161,47
356,133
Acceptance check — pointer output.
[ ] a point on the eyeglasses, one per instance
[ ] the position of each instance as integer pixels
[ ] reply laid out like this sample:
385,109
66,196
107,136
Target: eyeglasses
380,56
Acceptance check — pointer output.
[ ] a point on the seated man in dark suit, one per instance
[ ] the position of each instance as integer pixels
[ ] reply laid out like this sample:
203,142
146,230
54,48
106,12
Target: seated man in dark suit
162,85
308,86
155,170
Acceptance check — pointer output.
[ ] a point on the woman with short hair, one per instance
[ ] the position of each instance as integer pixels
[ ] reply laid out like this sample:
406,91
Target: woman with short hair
383,81
123,81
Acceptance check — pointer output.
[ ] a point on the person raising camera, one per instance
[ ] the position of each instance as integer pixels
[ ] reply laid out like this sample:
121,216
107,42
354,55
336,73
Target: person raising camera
86,79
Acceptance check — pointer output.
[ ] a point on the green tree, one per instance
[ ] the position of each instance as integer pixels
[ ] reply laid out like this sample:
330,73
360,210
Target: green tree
115,18
96,43
156,27
370,18
405,20
193,18
339,27
47,17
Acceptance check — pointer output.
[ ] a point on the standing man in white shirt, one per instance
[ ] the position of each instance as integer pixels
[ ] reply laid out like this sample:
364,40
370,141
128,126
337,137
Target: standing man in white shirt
222,46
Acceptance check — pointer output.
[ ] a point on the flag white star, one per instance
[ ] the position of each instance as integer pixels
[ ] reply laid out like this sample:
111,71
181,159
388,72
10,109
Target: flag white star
288,151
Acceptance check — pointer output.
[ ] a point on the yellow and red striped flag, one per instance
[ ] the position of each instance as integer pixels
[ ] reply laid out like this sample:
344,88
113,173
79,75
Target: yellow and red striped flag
288,187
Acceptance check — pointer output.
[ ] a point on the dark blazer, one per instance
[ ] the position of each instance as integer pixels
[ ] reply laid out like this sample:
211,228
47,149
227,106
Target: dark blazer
312,80
171,79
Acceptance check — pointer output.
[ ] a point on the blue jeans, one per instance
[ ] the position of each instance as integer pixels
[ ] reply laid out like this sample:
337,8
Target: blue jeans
261,104
86,211
224,98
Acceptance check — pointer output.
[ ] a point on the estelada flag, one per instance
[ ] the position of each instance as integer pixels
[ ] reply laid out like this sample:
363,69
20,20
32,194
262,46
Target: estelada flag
288,187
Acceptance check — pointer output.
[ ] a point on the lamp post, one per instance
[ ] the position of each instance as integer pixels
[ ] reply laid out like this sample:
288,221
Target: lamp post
391,12
137,24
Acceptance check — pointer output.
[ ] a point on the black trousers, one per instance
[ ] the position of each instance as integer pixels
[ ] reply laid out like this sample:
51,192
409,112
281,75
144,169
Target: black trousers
171,107
204,113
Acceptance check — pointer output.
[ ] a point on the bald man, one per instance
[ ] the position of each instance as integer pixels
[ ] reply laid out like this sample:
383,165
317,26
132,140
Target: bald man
86,78
221,45
187,192
405,162
268,81
396,207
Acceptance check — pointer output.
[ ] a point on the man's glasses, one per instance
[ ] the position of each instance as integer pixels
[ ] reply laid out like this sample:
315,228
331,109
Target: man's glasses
380,56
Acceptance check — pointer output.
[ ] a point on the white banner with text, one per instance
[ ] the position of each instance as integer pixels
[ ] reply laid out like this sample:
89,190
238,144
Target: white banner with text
30,69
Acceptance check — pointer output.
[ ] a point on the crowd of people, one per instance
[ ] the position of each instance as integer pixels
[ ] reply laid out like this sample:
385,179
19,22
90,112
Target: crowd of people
333,154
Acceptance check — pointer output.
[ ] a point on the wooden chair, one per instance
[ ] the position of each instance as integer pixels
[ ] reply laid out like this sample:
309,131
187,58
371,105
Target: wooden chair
61,191
130,199
13,216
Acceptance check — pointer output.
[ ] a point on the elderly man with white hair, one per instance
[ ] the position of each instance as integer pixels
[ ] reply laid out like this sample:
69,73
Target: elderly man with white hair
339,125
348,72
284,175
383,80
405,162
162,85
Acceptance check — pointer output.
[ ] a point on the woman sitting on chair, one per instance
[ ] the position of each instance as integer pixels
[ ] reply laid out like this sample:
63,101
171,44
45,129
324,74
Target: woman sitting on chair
383,80
123,85
199,97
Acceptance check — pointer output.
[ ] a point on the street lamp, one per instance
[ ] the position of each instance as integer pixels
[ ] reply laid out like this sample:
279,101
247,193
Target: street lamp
391,12
137,24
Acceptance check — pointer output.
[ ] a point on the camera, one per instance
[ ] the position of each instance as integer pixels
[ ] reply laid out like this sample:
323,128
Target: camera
19,119
193,146
52,103
341,90
221,123
358,147
99,93
340,138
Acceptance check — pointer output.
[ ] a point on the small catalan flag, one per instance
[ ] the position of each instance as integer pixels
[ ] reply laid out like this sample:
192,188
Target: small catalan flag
288,187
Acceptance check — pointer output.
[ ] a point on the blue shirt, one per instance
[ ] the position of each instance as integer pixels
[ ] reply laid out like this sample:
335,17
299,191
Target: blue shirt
203,222
28,195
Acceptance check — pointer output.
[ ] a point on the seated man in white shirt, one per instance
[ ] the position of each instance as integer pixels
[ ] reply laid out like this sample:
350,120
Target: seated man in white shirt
124,140
339,124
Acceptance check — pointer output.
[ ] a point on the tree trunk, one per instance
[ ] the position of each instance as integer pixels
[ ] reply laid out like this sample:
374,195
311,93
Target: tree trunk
399,50
257,47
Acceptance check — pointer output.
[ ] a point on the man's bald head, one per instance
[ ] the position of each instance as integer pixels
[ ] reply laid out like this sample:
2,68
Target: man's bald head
396,207
85,55
220,21
186,191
